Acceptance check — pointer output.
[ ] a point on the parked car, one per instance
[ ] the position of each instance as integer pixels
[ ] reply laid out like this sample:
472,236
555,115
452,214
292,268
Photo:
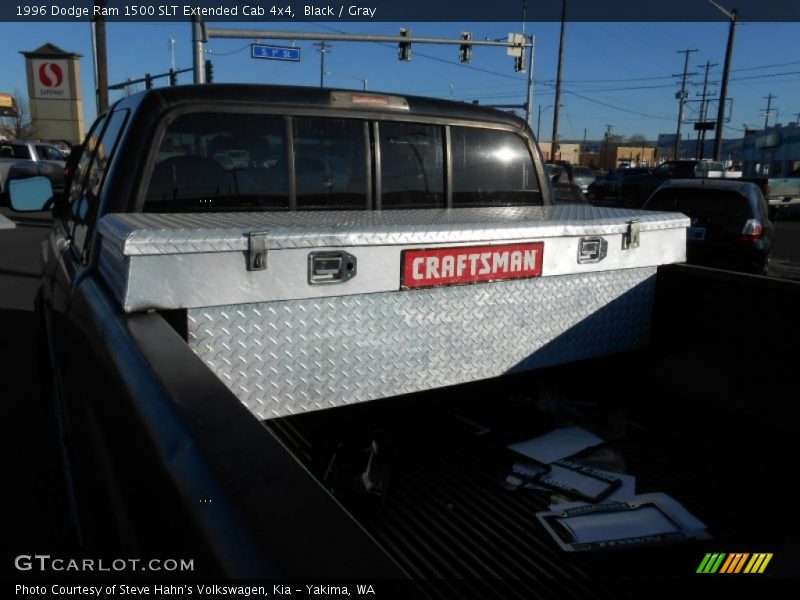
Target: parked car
729,227
565,172
636,189
568,193
41,159
607,188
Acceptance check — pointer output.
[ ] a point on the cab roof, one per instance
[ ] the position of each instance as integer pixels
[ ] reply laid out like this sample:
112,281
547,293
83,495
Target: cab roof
311,97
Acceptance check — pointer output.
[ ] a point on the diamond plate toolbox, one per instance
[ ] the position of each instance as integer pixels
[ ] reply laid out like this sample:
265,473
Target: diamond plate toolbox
304,311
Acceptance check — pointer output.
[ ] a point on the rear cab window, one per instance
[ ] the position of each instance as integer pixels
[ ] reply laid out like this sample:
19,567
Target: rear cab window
228,161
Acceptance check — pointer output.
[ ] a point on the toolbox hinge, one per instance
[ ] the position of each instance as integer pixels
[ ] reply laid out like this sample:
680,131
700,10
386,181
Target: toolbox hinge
257,251
630,239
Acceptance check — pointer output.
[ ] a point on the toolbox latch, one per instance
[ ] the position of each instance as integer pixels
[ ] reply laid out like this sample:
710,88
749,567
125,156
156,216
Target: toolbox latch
630,239
257,251
592,250
330,267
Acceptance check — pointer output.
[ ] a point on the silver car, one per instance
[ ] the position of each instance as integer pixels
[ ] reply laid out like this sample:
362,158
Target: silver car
583,177
580,175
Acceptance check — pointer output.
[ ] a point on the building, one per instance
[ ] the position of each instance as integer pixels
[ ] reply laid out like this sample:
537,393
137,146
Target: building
774,151
566,151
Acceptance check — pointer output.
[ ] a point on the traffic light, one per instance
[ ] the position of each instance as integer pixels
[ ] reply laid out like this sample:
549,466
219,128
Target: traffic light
519,62
173,77
405,47
148,81
465,50
209,72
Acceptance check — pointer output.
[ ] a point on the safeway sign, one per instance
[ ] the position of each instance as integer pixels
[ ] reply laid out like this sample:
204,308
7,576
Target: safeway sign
50,79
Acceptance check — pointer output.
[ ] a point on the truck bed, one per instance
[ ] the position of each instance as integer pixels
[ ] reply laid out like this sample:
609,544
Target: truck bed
447,519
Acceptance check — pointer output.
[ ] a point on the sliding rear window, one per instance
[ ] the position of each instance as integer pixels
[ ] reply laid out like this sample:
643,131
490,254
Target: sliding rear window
412,165
492,168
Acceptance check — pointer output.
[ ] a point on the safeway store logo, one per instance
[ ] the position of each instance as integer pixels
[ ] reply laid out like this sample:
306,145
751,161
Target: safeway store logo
734,563
51,75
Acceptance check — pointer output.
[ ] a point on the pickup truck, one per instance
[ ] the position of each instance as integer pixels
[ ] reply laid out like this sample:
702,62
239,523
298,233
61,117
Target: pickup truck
310,367
33,158
781,192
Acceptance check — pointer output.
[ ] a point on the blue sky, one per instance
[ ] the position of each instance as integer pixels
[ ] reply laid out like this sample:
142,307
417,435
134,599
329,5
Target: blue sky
615,73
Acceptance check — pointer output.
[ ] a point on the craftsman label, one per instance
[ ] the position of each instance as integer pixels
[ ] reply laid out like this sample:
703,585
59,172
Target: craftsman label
431,267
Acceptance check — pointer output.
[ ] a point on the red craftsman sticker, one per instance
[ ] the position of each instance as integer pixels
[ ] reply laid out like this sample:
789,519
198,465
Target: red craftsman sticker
431,267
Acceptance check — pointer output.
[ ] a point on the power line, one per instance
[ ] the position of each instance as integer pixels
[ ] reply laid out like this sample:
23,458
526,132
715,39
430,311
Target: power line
228,53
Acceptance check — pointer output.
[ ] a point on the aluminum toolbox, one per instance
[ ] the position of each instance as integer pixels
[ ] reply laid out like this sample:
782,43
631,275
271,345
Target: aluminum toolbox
301,311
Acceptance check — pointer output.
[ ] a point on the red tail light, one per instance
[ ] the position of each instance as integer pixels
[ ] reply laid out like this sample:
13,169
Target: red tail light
753,231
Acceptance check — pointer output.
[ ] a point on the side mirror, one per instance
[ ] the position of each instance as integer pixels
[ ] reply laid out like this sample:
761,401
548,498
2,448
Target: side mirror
30,194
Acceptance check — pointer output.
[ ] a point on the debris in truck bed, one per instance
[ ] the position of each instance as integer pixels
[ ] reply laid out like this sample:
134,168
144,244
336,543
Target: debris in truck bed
557,444
574,480
646,520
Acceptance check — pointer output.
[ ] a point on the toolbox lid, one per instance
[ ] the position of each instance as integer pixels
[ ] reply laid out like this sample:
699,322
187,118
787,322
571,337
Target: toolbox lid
140,234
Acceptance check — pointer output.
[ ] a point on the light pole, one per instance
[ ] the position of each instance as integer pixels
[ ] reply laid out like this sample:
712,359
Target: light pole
171,46
363,80
733,15
539,120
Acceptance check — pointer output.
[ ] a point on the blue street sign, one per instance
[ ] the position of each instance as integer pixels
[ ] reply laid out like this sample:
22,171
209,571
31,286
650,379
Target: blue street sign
275,52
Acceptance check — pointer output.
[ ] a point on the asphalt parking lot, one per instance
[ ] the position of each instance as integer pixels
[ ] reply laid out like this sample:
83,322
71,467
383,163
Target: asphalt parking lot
38,499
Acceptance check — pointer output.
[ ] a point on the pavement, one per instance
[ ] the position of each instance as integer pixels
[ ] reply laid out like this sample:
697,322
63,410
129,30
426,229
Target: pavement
6,223
36,517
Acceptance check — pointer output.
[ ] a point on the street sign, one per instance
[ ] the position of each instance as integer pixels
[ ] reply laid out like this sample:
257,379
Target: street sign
515,38
704,126
275,52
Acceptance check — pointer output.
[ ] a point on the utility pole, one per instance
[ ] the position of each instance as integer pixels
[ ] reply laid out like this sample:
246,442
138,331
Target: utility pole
797,114
733,16
101,58
701,134
323,48
682,98
605,147
557,103
768,112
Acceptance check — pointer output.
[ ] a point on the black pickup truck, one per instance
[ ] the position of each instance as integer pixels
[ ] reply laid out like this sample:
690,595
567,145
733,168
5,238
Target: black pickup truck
243,380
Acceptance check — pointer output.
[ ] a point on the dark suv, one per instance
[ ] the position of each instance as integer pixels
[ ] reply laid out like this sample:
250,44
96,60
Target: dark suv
633,191
729,229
